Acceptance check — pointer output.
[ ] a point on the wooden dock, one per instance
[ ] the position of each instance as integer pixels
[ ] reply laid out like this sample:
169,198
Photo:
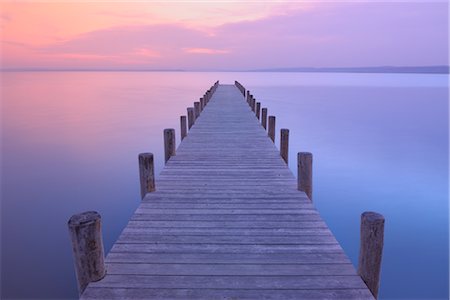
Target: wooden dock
227,222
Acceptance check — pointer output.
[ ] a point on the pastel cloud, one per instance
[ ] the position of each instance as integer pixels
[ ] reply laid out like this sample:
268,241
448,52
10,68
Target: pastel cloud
205,51
326,34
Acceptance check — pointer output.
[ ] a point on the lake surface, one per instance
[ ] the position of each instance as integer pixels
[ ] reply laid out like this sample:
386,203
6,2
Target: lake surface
70,143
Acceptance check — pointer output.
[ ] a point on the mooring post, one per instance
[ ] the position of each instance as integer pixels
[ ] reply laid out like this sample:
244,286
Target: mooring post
272,128
304,175
169,143
196,109
190,115
371,250
284,144
87,245
264,118
183,127
201,104
254,104
146,173
258,109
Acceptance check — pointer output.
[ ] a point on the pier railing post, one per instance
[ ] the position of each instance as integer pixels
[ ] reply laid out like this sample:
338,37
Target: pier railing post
191,117
284,144
371,250
253,104
258,109
146,173
169,143
196,109
183,127
272,128
87,246
264,118
304,176
201,104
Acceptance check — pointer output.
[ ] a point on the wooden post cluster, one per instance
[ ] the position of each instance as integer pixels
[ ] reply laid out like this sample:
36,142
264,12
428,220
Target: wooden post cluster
87,245
284,144
371,250
272,128
304,176
169,143
146,173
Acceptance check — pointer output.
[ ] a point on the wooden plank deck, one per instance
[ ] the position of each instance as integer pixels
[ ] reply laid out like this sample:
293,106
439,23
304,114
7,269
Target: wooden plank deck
227,222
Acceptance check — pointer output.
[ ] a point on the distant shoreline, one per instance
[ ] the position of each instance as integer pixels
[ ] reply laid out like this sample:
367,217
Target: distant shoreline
383,69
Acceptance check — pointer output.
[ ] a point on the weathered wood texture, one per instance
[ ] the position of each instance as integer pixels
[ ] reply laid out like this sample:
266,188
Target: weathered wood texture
227,222
271,130
304,176
146,173
169,143
264,118
371,250
191,116
87,246
183,127
284,144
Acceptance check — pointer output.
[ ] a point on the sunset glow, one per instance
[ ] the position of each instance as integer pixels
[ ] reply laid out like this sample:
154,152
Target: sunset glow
221,35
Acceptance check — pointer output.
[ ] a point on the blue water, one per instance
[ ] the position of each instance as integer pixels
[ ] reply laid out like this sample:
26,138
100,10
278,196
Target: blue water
70,143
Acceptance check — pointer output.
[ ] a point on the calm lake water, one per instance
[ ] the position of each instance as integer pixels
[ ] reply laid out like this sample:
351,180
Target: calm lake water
70,143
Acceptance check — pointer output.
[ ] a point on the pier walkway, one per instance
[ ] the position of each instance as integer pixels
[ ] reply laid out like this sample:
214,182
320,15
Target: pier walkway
227,222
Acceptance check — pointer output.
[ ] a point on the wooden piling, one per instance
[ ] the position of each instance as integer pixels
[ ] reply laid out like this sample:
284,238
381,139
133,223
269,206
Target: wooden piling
183,127
196,110
169,143
201,104
191,117
371,250
304,176
284,144
272,128
146,173
87,246
253,104
258,109
264,118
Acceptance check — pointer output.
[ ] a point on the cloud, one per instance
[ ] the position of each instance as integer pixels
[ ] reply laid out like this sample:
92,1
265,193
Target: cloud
331,34
205,51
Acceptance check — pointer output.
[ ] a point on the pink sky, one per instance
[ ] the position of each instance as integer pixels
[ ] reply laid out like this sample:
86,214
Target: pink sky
222,35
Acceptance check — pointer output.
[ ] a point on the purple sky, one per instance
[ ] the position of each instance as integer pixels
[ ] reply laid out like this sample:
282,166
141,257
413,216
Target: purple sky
325,34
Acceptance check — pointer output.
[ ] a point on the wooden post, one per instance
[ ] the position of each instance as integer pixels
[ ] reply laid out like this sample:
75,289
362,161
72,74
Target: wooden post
191,118
264,118
169,143
272,128
146,173
304,176
87,245
183,127
258,109
201,104
253,104
371,250
196,109
284,144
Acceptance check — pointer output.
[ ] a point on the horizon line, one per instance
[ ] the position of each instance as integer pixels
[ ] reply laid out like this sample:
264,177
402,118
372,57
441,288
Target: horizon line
434,69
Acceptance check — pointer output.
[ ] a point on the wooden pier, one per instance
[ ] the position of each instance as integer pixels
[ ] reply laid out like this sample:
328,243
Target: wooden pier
227,221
